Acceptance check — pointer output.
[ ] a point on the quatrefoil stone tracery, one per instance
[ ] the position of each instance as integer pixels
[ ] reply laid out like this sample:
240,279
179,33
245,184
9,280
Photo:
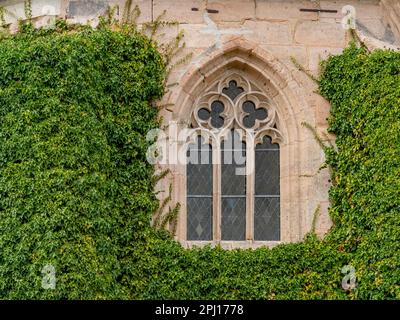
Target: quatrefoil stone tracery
214,116
253,114
232,91
236,102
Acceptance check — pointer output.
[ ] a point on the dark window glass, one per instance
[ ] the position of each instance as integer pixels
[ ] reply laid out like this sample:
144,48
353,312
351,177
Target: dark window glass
199,222
233,188
199,181
267,194
217,107
204,114
233,224
266,219
232,91
252,114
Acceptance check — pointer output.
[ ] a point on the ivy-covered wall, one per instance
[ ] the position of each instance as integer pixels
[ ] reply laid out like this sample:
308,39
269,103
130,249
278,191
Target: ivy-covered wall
364,91
76,191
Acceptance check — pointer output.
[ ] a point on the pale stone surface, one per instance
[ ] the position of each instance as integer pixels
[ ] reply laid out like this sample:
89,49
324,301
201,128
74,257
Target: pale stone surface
363,9
197,36
233,10
166,34
322,112
180,10
39,8
144,6
320,34
307,83
284,10
391,16
374,27
266,32
284,53
316,55
323,222
190,56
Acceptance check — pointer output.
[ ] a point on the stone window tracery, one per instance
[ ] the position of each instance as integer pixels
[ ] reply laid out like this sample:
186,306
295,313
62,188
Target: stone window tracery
233,168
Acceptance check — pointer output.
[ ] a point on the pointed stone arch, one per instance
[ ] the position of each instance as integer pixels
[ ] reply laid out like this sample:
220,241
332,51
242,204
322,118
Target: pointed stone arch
276,81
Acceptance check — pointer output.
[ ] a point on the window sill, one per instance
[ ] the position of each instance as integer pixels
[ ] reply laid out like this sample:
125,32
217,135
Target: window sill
229,245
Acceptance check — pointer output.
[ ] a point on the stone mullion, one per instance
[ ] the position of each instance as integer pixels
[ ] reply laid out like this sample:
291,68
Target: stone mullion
216,156
250,185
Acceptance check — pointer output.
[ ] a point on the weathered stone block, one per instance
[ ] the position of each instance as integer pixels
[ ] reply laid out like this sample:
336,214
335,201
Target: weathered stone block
363,9
279,10
145,7
233,10
284,54
198,35
314,33
266,32
180,10
323,222
376,28
316,55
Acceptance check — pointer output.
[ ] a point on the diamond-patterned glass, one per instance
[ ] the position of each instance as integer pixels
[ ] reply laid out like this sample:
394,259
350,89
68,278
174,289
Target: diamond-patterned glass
199,218
267,191
233,167
266,219
267,168
233,188
199,169
233,218
199,181
232,91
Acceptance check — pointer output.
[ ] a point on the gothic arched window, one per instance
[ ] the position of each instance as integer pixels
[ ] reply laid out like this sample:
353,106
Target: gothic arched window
233,165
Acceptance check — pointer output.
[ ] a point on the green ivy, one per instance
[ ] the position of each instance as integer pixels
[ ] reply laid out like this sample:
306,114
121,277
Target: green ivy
364,91
77,193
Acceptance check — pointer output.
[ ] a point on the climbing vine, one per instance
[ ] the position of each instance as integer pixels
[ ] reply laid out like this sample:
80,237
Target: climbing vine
77,194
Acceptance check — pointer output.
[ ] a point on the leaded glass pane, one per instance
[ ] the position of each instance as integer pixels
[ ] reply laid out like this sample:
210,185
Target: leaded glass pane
233,180
199,182
199,218
233,167
267,192
267,168
233,224
233,176
266,219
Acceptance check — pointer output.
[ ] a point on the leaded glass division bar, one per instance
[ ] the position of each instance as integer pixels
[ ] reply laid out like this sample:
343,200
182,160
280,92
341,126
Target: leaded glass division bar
233,188
267,192
199,179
